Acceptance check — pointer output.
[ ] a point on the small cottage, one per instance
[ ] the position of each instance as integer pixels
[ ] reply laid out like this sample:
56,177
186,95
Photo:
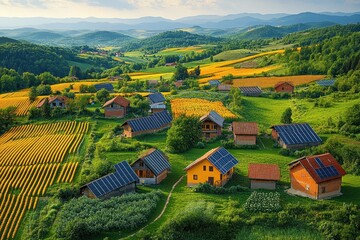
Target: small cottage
224,88
157,107
253,91
284,87
316,177
156,98
152,167
55,101
116,107
107,86
245,133
122,181
211,125
215,167
263,176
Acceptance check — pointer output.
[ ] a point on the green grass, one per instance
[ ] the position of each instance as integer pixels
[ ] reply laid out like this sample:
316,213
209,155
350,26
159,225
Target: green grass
234,54
82,66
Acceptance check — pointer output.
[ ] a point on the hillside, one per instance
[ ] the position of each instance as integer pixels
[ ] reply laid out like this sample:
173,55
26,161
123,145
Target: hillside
7,40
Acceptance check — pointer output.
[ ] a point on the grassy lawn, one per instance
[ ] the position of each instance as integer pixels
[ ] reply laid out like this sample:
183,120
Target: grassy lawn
82,66
234,54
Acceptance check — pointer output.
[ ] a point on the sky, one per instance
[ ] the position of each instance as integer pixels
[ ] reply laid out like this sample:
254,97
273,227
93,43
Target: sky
172,9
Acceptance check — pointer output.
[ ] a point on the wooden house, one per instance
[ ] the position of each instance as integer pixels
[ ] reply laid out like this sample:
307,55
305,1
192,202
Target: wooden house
170,64
224,88
211,125
215,167
156,98
150,124
245,133
253,91
295,136
157,107
316,177
116,107
107,86
152,167
55,101
284,87
263,176
122,181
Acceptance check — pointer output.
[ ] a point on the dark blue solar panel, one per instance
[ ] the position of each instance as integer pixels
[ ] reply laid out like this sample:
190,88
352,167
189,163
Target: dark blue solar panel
156,98
154,121
214,82
326,83
297,134
107,86
319,162
223,160
251,91
157,162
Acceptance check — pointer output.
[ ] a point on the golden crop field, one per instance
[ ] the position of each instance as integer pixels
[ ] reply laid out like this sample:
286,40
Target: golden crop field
76,86
22,104
198,107
31,159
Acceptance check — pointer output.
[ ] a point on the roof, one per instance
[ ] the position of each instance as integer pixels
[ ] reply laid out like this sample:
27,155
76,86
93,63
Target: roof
214,82
107,86
245,128
119,100
297,133
264,171
224,87
154,121
123,176
326,83
157,106
321,167
156,97
282,83
213,116
156,161
251,90
219,157
62,99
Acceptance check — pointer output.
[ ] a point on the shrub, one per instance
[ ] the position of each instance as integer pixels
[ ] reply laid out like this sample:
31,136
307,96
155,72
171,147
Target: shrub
208,188
200,145
263,202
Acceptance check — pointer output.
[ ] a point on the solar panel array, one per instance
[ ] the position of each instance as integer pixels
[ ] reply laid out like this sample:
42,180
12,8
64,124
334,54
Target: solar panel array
326,83
154,121
214,82
124,175
251,91
156,98
157,162
325,172
223,160
297,134
107,86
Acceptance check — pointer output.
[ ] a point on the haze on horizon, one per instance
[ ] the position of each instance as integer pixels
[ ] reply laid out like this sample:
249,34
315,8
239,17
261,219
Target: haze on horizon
171,9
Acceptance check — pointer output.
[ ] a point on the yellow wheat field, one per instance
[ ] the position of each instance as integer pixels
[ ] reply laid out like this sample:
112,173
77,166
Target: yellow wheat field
22,104
75,86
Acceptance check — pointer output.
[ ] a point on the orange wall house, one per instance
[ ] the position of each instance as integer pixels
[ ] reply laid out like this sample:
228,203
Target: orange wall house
284,87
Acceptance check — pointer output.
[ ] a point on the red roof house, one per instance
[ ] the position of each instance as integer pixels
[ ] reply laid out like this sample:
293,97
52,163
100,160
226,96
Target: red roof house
245,133
54,101
263,175
284,87
116,107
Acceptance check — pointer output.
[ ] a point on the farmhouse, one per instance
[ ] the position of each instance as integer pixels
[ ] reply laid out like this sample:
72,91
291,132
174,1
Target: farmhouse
116,107
284,87
263,175
214,167
152,167
171,64
107,86
211,125
150,124
317,177
251,91
295,136
224,88
245,133
55,101
156,98
122,181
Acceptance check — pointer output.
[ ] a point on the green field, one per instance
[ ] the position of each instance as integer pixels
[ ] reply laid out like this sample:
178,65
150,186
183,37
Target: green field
82,66
234,54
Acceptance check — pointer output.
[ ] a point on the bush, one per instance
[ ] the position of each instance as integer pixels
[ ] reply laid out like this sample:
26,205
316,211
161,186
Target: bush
229,144
208,188
200,145
263,202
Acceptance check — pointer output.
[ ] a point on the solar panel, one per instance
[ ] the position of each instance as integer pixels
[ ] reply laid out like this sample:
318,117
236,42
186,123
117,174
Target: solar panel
214,82
251,91
154,121
326,83
319,162
157,162
297,134
107,86
156,98
223,160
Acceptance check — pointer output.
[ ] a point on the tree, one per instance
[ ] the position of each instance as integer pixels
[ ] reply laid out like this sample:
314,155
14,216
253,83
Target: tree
181,73
102,95
75,71
286,116
32,94
7,118
47,78
30,79
42,90
45,109
81,102
184,133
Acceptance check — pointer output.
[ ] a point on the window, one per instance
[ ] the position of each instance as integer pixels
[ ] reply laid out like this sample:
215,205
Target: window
283,88
60,104
54,104
141,163
215,127
220,176
323,190
195,177
204,168
112,105
211,168
207,126
307,187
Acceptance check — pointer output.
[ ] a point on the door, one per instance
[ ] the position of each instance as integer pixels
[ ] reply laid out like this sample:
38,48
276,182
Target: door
211,180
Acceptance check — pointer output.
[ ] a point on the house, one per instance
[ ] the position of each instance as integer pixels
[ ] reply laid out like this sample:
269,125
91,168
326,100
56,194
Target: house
122,181
316,177
156,98
326,83
245,133
215,167
115,78
116,107
152,167
170,64
107,86
157,107
254,91
179,83
214,83
295,136
284,87
150,124
263,176
55,101
224,88
211,125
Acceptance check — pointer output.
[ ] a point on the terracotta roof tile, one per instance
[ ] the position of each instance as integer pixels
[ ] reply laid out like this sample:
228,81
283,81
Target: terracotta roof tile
264,171
119,100
245,128
281,83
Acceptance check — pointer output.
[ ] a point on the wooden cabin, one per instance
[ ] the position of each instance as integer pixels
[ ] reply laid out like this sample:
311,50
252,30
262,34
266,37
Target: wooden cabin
55,101
284,87
245,133
316,177
252,91
211,125
152,167
215,167
122,181
116,107
263,176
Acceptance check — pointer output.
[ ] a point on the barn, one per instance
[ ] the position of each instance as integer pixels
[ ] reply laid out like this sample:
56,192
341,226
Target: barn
55,101
122,181
211,125
263,176
107,86
253,91
295,136
245,133
284,87
156,98
152,167
215,167
316,177
150,124
116,107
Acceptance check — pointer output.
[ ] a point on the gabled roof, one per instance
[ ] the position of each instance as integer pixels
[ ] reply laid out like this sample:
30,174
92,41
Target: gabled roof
219,157
326,83
224,87
156,97
321,167
154,121
62,99
214,82
119,100
282,83
213,116
245,128
254,90
107,86
264,171
157,106
124,175
297,133
156,161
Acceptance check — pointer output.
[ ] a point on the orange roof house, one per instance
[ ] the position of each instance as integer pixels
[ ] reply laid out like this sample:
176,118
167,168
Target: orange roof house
284,87
116,107
214,167
316,177
263,175
245,133
55,101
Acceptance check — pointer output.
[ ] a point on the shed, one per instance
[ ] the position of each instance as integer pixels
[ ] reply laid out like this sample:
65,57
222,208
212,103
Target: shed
107,86
284,87
214,83
224,88
157,107
245,133
153,83
122,181
211,125
263,175
55,101
116,107
316,177
152,167
156,98
326,83
215,167
253,91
